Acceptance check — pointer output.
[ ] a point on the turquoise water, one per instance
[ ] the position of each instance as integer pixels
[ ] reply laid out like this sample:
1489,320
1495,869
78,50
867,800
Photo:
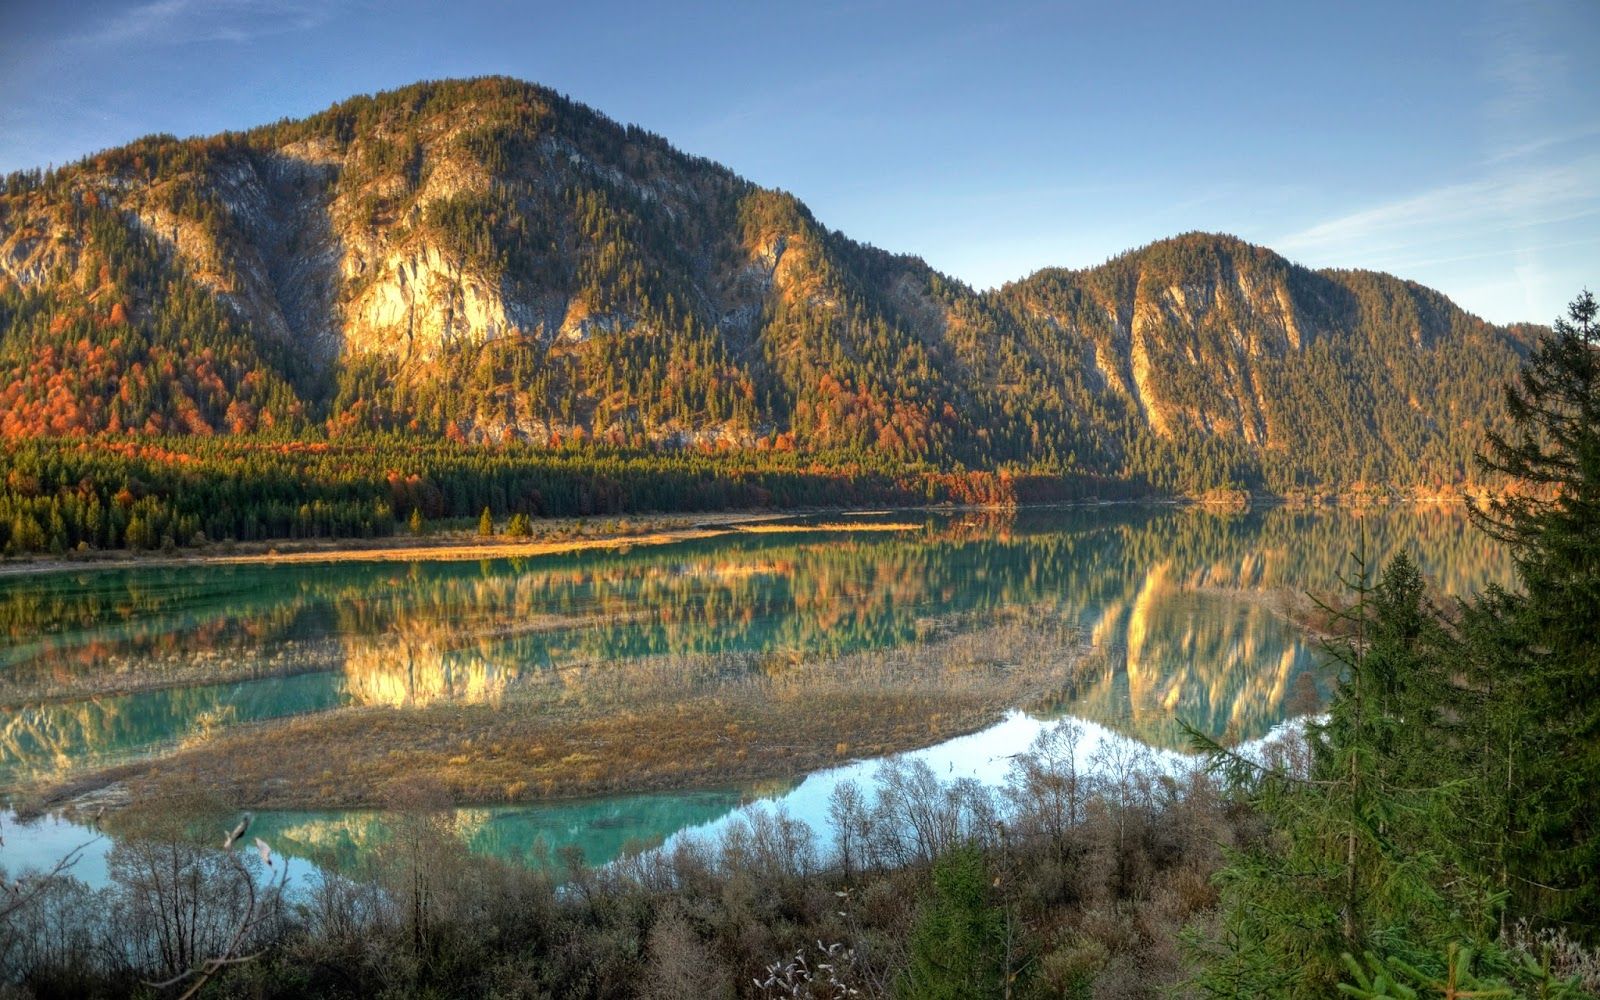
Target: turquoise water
1182,611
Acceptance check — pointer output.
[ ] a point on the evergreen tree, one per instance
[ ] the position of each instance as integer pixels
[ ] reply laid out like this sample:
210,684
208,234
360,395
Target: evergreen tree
1352,859
1459,975
1452,786
486,523
958,948
416,521
1539,651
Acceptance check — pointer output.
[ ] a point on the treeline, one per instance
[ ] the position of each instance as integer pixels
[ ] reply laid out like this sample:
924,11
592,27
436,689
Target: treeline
61,495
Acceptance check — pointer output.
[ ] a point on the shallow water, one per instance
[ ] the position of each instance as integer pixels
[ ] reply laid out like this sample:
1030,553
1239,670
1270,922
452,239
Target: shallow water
1182,608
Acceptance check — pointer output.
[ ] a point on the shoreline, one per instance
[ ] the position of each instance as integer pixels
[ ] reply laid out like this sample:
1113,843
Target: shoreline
763,756
454,546
464,545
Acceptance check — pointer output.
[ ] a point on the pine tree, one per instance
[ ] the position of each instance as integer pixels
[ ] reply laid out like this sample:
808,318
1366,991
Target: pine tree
1355,858
1379,977
1539,651
486,523
958,948
415,522
1452,785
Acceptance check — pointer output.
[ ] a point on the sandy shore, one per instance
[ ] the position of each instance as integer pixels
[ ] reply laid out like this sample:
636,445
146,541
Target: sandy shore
453,546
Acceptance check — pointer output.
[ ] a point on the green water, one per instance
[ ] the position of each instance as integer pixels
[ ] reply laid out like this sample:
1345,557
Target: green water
1183,609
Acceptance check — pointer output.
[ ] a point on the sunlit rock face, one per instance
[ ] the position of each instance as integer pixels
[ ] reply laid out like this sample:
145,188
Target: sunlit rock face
422,302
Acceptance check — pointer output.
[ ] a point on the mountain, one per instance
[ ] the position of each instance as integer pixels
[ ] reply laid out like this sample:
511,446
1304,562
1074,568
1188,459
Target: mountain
485,260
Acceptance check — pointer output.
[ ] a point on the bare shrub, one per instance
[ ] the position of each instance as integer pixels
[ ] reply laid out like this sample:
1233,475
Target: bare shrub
824,973
851,821
1044,790
60,933
679,963
1567,957
917,817
177,904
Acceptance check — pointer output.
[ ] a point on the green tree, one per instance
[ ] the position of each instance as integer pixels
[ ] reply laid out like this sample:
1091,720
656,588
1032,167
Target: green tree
486,523
1458,975
416,523
1452,785
1353,857
1538,651
959,947
26,535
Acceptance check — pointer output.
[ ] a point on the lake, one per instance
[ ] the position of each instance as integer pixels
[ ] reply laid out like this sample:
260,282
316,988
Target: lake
1176,613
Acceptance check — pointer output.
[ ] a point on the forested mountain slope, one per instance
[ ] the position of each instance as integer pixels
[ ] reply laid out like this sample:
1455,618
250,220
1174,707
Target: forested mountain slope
485,260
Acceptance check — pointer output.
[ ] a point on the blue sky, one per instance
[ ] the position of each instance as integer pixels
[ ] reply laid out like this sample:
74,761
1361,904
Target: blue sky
1457,144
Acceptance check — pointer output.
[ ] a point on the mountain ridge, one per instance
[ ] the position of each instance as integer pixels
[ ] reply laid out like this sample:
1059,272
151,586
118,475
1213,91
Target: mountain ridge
486,260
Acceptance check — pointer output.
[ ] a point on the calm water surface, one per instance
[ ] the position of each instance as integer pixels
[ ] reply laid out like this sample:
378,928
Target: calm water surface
1182,610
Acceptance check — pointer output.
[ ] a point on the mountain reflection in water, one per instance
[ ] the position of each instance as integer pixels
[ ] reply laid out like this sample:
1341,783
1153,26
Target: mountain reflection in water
1183,610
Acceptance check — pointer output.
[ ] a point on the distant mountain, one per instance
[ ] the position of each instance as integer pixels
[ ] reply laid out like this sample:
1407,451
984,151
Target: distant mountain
487,260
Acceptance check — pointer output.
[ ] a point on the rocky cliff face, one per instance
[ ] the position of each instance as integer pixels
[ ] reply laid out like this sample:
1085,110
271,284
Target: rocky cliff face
1205,337
484,258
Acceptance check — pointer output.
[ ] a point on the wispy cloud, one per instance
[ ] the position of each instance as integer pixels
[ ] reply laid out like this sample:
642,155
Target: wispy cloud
1589,241
1527,64
1503,243
178,22
1551,194
1540,145
1524,72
